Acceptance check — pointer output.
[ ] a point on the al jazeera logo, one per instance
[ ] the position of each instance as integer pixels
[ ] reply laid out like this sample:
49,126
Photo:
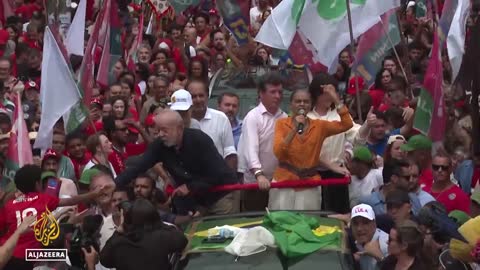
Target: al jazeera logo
46,230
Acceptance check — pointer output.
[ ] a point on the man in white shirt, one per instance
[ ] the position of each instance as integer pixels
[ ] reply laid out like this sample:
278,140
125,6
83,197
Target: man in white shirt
212,122
255,148
365,179
371,242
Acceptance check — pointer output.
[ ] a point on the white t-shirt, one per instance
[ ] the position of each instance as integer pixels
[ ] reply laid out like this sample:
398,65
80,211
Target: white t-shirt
360,188
90,164
216,125
254,13
367,262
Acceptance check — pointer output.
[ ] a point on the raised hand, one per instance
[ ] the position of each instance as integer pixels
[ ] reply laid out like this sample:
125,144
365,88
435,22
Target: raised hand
371,118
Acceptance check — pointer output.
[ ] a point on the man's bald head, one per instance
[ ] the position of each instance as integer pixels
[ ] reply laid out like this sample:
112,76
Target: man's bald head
169,117
170,126
190,36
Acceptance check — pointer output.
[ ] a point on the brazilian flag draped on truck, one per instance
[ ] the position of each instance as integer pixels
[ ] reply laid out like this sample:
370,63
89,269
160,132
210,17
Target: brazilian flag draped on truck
298,235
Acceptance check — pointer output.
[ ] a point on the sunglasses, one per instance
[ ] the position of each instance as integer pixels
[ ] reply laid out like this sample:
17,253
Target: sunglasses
438,167
122,129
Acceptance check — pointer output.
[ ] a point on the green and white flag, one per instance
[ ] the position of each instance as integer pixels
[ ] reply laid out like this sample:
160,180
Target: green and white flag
58,92
423,113
323,22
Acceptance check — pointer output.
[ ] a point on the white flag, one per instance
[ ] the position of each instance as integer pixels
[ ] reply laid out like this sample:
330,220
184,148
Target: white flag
75,40
456,36
58,91
324,23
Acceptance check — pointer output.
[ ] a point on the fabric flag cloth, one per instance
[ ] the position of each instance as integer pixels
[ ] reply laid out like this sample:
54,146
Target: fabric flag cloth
374,45
132,53
19,149
433,84
112,47
456,36
75,40
6,10
302,52
234,20
295,234
86,78
58,91
324,23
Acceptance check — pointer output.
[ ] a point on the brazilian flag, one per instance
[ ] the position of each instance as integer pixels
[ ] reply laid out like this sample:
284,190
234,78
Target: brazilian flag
296,235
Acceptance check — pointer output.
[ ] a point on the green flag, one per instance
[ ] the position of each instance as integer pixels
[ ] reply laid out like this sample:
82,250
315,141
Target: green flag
424,112
294,235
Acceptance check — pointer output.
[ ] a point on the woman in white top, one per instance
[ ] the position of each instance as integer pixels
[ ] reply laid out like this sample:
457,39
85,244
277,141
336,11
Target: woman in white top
100,147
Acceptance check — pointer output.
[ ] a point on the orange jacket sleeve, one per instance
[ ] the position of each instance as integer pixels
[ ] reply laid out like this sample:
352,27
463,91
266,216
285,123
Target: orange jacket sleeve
336,127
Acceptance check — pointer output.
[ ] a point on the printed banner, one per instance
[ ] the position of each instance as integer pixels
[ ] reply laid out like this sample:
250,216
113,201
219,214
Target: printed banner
424,112
445,21
374,45
181,5
234,20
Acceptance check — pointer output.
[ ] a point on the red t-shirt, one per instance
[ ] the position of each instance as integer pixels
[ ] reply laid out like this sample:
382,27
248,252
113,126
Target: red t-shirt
377,97
135,149
384,107
90,130
118,159
12,214
31,43
453,199
425,179
476,176
78,165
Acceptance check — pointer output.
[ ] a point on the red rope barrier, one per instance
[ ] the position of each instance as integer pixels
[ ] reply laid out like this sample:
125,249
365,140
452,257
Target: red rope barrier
282,184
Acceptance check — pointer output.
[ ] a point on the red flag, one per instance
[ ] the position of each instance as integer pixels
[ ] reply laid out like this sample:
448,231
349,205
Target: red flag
132,53
6,10
19,148
86,78
433,84
112,48
302,53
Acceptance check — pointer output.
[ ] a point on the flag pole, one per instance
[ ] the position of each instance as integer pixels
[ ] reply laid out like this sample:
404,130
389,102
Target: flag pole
396,55
352,52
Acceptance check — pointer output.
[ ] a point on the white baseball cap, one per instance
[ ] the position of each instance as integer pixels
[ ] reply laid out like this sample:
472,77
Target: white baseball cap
363,210
181,100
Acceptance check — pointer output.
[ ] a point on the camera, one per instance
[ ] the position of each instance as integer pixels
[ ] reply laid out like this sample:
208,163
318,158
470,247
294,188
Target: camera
87,236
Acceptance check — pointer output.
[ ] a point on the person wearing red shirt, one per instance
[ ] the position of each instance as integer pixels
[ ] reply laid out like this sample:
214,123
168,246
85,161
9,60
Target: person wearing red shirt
443,189
77,152
419,150
32,202
202,21
117,132
396,94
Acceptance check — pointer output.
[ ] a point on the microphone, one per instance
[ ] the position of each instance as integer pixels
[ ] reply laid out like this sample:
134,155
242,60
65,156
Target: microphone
301,125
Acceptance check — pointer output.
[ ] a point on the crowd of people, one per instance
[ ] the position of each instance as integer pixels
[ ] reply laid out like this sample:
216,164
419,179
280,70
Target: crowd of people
145,162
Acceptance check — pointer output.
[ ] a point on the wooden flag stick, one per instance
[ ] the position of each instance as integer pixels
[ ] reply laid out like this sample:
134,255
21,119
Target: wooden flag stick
352,52
397,56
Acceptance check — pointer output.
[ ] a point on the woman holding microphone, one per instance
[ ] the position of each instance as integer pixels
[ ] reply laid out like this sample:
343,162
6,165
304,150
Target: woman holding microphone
297,144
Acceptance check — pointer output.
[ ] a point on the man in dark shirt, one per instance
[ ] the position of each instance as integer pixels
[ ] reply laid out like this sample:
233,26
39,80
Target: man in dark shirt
190,156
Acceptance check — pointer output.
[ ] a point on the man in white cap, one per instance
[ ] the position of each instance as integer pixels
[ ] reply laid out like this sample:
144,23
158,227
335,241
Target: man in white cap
181,101
371,243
